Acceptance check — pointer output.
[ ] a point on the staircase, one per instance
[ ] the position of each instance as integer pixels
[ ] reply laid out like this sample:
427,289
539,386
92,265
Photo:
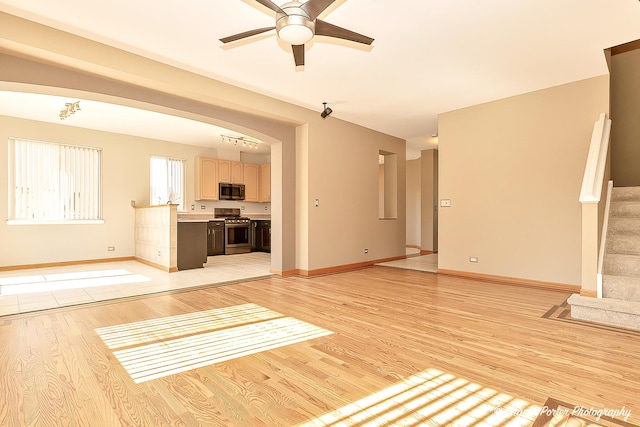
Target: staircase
620,302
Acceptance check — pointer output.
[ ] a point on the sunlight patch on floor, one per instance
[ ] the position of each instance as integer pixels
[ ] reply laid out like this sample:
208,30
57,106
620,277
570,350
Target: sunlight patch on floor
432,398
18,285
167,357
153,330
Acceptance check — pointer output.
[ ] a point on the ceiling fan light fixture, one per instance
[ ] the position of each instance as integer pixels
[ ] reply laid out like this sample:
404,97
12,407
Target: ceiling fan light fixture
295,27
295,35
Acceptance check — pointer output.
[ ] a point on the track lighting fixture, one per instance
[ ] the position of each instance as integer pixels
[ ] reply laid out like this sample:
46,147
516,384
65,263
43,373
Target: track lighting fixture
244,141
326,112
69,109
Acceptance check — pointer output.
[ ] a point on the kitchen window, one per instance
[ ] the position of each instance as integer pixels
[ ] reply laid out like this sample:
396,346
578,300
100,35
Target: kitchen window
53,183
167,181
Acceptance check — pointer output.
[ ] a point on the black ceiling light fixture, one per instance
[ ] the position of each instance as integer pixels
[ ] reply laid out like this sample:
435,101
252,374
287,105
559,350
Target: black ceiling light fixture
326,112
297,23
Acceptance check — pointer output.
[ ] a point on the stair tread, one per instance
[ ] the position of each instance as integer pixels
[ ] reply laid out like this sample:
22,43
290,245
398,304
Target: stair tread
607,311
624,225
625,193
631,307
624,244
622,265
621,287
624,209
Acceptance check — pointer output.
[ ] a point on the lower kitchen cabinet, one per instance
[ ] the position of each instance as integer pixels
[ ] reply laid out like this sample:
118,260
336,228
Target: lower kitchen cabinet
262,231
192,244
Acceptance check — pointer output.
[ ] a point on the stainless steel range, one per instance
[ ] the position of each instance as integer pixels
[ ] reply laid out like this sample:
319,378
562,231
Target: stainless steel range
236,230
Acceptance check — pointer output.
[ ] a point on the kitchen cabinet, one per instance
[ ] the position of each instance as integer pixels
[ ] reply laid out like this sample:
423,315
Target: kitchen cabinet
230,171
265,183
215,238
209,172
191,244
207,178
237,175
251,180
263,236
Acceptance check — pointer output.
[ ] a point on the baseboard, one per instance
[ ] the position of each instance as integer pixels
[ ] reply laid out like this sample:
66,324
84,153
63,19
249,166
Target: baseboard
588,293
512,281
158,266
64,263
284,273
346,267
427,252
413,246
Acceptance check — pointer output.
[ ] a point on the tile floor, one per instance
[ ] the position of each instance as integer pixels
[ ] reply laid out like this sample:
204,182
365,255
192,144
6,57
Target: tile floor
23,291
415,261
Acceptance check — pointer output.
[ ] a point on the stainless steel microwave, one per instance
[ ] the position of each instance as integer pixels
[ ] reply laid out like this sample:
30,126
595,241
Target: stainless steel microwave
231,191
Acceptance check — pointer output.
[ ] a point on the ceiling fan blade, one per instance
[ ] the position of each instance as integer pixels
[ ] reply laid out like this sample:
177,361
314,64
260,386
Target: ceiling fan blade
245,34
298,54
325,29
271,5
316,7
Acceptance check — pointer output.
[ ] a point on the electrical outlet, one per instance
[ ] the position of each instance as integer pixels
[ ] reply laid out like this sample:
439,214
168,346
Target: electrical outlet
366,251
111,248
316,202
266,208
241,208
445,203
473,259
203,207
158,253
193,207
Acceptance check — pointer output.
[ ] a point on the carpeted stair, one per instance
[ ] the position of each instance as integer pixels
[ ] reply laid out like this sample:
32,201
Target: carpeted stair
620,302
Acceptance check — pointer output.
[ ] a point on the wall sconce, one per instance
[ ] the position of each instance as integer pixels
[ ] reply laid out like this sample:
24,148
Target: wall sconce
69,109
326,112
243,141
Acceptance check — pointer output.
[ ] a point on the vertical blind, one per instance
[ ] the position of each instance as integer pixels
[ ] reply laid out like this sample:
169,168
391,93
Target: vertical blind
54,181
167,181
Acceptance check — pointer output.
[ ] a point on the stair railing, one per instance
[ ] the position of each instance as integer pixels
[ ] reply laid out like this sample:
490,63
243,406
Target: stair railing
590,195
592,181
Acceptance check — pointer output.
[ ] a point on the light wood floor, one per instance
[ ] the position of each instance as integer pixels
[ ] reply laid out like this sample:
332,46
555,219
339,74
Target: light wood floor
391,347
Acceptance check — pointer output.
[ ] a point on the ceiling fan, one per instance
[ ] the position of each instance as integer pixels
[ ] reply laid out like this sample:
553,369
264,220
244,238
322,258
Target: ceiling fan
297,23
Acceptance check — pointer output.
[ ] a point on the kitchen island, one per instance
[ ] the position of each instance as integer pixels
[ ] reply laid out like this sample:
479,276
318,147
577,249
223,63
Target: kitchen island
165,241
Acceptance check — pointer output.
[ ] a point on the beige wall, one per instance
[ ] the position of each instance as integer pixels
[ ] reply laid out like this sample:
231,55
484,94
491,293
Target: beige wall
429,199
414,204
339,167
625,110
343,176
513,169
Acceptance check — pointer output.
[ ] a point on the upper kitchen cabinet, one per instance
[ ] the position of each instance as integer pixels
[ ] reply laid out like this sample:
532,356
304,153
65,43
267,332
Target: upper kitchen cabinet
230,171
265,183
251,182
207,178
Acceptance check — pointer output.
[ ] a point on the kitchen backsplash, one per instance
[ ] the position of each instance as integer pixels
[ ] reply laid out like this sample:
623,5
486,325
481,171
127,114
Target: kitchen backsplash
246,208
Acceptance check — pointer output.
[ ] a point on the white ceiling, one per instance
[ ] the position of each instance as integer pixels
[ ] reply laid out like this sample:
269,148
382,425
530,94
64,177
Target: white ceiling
124,120
428,57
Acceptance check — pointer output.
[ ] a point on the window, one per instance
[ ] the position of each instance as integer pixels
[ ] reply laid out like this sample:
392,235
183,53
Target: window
167,181
50,182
